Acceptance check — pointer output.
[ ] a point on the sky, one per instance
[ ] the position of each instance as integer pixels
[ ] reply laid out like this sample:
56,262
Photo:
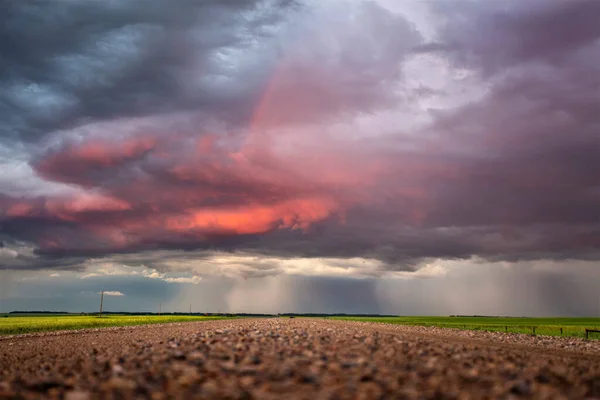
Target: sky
409,157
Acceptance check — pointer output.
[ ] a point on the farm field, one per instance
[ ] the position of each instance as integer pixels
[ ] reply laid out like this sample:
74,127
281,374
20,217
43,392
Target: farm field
13,324
574,327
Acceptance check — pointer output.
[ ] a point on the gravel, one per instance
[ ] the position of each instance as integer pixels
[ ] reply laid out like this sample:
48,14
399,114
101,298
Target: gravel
296,359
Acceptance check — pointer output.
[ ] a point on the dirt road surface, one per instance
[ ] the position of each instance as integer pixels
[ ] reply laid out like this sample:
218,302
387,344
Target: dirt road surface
296,359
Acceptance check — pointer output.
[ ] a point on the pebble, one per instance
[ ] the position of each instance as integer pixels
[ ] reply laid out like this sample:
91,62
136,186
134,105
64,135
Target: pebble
77,395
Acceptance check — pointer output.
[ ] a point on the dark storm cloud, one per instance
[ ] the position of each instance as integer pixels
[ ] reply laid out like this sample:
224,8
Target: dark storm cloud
509,176
68,62
492,36
529,153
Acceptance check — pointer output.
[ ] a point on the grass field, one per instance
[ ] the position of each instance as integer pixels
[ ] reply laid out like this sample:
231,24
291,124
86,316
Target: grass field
543,326
28,323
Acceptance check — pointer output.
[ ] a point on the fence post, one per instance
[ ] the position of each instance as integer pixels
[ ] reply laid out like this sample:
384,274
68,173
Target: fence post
533,329
561,332
506,328
588,331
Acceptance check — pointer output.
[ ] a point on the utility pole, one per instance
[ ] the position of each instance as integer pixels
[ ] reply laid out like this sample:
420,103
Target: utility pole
159,306
190,309
101,301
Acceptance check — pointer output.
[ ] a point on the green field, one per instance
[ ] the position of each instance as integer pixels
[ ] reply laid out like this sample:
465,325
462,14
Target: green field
14,324
543,326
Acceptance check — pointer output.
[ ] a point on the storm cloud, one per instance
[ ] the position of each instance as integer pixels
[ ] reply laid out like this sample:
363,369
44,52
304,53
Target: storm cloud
142,134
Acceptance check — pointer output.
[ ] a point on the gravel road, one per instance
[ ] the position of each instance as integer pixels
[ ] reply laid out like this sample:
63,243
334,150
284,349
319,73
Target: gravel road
295,359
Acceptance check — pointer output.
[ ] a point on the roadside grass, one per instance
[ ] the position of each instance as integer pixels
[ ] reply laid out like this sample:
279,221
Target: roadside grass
569,327
13,325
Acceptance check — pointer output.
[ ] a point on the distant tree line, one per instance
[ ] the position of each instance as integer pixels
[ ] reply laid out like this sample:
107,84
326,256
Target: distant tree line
198,314
40,312
209,314
333,315
480,316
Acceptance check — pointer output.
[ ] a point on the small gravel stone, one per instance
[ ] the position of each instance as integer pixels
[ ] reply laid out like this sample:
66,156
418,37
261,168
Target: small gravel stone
521,388
77,395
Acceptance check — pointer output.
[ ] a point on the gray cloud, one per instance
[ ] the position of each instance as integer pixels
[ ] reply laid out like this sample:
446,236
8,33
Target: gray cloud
215,126
72,62
495,36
